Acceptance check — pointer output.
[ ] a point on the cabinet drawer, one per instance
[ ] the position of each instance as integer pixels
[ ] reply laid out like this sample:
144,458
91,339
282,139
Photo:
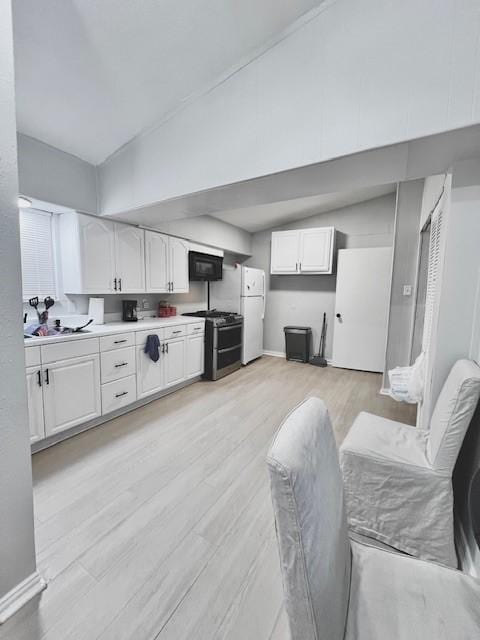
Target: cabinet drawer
174,332
193,329
117,341
141,336
118,394
70,349
117,364
32,356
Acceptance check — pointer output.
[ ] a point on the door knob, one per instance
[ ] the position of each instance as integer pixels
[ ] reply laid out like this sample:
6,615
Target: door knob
339,315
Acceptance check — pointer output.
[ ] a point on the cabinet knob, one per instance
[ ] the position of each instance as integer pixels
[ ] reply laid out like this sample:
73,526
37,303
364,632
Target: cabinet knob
339,315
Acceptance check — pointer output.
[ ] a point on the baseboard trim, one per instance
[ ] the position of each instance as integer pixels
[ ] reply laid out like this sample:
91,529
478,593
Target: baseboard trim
275,354
384,392
20,595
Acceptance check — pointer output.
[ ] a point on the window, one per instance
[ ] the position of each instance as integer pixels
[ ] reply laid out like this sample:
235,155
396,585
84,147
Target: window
38,254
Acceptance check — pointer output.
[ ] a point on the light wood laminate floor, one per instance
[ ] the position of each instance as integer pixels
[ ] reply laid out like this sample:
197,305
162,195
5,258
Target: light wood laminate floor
158,524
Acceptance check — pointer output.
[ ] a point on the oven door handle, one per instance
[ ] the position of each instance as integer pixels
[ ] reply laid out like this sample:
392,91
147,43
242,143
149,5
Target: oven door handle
230,327
237,346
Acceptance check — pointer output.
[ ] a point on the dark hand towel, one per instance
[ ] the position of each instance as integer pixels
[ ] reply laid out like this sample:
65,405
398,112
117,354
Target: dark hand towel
152,346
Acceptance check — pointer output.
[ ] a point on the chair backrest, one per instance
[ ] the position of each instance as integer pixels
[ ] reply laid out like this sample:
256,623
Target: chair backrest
452,414
307,496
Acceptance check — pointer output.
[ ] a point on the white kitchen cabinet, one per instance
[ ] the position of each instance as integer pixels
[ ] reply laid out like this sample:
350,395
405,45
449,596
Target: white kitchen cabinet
302,251
178,251
166,263
71,392
174,358
150,374
35,404
101,256
284,258
195,358
129,258
156,262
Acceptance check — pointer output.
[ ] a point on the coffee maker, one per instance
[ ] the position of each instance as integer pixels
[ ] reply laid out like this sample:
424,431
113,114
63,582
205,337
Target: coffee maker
129,310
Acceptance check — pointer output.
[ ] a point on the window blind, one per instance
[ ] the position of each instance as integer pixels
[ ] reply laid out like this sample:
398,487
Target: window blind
38,255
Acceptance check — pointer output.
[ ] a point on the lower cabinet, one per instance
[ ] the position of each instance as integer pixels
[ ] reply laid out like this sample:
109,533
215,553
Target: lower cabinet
195,358
150,378
174,357
118,394
71,393
35,404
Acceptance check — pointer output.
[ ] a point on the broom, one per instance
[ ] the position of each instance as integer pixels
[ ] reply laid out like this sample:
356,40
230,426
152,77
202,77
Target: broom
319,359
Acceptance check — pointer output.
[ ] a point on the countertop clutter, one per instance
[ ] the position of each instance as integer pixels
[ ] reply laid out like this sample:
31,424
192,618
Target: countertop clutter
96,331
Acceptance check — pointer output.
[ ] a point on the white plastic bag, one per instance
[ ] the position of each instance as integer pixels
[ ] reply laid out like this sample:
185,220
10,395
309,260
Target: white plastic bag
407,383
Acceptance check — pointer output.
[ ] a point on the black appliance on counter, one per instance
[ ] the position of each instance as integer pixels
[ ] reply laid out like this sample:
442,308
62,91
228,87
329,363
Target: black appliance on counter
223,342
129,310
204,266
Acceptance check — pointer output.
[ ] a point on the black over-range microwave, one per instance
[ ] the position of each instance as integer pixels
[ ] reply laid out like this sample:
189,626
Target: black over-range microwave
203,266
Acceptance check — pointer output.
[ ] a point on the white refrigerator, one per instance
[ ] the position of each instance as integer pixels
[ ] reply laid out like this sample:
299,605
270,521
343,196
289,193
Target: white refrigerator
242,290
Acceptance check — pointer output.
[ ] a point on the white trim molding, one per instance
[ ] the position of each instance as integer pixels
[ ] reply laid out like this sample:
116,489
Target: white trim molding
275,354
12,601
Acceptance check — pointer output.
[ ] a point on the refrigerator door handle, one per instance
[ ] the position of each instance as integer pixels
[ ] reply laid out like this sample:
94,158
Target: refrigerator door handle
264,295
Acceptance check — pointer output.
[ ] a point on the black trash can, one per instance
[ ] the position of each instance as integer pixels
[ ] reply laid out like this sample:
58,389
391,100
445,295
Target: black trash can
297,343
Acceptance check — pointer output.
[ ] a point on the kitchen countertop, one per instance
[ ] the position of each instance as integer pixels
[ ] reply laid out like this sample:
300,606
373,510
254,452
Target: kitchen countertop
98,330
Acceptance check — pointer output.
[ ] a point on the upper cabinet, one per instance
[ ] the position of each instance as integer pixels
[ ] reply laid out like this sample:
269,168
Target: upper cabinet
303,251
101,256
166,263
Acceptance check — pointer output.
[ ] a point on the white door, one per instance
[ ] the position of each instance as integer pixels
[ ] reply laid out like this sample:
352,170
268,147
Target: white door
97,259
179,265
284,258
156,261
361,308
316,250
35,404
252,311
130,258
71,392
253,282
150,374
195,358
174,361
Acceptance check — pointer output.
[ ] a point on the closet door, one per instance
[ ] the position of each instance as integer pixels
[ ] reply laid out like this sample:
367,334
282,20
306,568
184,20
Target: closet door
130,258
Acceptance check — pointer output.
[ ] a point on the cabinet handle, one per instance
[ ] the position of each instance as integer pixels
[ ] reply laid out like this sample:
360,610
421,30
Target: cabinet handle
179,331
166,347
39,377
163,348
172,287
119,284
119,341
119,395
114,284
300,266
47,376
121,364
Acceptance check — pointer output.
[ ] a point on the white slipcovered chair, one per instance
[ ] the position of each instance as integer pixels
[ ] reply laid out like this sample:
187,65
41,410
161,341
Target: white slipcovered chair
337,589
398,479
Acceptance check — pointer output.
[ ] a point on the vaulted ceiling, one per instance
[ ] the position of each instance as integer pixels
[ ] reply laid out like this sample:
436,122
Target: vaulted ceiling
92,74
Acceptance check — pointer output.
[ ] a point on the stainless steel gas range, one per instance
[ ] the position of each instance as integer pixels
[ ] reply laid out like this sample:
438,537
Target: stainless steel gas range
223,342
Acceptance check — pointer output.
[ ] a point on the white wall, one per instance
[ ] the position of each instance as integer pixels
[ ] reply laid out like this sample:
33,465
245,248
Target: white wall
302,300
210,231
358,75
53,176
17,552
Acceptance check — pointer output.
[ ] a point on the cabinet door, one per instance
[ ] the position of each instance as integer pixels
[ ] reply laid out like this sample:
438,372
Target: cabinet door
174,361
284,258
71,393
316,250
178,258
97,254
150,375
156,261
195,358
35,404
130,258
